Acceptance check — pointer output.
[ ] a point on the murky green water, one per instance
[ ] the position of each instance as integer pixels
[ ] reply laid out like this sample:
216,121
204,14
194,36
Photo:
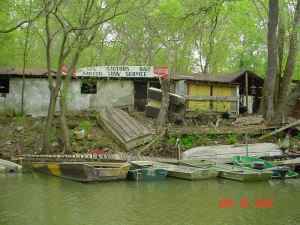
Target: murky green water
33,199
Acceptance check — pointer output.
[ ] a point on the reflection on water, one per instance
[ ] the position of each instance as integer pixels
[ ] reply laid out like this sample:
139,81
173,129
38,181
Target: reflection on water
34,199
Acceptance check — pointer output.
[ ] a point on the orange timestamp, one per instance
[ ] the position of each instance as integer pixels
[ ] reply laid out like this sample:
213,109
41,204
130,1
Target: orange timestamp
244,203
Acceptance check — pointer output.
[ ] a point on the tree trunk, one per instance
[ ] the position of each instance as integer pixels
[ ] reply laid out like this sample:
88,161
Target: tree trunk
50,116
281,40
63,122
165,87
269,85
293,98
289,67
163,113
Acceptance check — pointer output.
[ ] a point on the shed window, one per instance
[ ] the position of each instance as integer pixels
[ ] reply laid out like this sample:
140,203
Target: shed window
89,87
4,86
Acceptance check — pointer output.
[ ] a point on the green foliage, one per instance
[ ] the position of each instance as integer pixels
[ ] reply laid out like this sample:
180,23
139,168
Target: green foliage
142,36
171,8
86,125
20,119
232,139
172,140
188,141
297,136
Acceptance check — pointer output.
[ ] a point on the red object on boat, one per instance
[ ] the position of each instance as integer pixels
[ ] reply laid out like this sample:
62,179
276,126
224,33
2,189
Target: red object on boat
96,151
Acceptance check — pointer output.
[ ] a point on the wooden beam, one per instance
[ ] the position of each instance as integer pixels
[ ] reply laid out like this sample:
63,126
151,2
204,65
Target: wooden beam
247,90
281,129
213,98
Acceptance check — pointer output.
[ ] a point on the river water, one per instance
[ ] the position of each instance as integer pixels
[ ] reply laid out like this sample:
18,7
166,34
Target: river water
34,199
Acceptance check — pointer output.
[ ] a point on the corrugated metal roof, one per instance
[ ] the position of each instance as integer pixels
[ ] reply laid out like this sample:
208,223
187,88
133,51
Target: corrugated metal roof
215,78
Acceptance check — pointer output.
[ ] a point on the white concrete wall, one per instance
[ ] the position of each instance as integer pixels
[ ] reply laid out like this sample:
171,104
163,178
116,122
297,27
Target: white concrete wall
117,93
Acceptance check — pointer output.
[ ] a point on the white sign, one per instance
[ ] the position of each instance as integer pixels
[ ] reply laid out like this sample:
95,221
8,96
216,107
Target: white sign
117,71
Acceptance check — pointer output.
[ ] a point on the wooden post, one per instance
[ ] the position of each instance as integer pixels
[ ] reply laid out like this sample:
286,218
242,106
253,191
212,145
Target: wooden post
246,140
178,148
238,100
247,88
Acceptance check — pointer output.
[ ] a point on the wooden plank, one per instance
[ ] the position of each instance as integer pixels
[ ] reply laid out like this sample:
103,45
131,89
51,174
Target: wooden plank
109,124
281,129
124,124
135,123
223,99
156,94
195,90
123,128
213,98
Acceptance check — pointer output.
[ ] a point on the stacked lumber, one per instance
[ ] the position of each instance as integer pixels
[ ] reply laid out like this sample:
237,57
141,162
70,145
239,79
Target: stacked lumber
224,153
176,108
123,128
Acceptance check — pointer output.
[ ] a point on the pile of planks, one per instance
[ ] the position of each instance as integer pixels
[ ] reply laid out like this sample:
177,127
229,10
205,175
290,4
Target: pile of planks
123,128
176,108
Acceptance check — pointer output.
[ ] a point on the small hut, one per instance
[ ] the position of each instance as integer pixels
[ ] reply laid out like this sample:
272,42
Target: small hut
232,93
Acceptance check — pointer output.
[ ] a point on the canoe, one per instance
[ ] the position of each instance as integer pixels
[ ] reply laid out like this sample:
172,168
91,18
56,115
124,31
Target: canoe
281,172
242,174
83,171
187,172
9,167
145,171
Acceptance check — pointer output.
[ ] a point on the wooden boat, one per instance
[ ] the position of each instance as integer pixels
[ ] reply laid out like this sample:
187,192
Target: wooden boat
9,167
84,171
145,171
187,172
147,174
224,153
282,172
242,174
294,164
199,163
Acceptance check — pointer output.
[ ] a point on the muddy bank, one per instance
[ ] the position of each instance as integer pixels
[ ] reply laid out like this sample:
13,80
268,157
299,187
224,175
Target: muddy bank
23,135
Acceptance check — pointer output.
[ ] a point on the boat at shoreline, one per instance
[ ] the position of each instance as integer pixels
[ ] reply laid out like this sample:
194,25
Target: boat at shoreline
199,163
237,173
188,172
147,174
9,167
279,172
145,171
83,171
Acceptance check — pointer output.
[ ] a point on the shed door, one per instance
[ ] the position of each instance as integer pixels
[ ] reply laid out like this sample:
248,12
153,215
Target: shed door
195,90
223,106
140,95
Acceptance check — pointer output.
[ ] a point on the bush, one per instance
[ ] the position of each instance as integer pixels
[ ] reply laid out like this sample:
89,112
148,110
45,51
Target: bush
85,125
232,139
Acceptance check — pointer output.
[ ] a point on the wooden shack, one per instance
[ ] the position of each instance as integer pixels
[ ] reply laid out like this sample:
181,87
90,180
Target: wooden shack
232,93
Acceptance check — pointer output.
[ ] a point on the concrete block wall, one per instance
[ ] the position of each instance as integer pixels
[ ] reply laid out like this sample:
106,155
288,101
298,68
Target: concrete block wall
117,93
